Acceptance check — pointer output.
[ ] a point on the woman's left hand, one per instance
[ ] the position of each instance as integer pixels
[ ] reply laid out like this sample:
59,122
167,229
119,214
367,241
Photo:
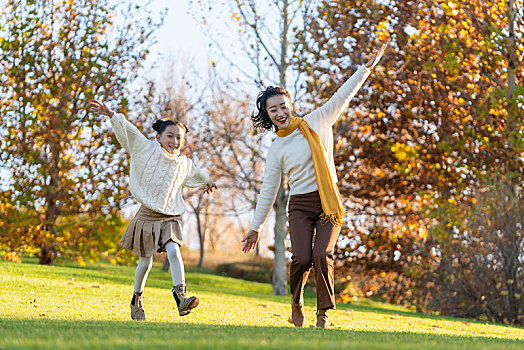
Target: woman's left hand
210,186
250,241
376,57
101,108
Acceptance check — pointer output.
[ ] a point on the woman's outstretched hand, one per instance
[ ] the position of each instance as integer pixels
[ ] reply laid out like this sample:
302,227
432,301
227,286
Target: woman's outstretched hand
210,186
376,57
101,108
250,241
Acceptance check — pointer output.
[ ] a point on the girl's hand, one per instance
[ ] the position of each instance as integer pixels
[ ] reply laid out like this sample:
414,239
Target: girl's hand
376,57
250,241
210,186
101,108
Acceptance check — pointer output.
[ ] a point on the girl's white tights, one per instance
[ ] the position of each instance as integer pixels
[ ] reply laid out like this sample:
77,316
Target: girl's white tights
175,262
142,270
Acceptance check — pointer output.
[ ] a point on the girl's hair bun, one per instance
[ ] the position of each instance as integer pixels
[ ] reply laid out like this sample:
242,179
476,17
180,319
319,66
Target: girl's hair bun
160,125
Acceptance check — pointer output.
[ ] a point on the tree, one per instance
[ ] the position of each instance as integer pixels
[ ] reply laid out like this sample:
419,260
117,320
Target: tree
269,52
234,149
54,57
217,141
441,115
488,145
199,203
374,142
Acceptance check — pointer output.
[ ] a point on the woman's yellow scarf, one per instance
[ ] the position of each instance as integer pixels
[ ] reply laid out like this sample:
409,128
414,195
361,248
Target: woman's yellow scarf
329,195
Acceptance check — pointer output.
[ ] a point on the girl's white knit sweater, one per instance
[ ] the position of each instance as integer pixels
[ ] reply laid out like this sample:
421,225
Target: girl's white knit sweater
291,155
156,177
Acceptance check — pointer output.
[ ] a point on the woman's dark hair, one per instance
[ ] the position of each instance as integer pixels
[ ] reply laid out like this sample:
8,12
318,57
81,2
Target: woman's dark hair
160,125
261,119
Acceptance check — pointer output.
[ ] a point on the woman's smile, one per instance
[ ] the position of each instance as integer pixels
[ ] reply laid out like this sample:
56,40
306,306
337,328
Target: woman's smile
282,120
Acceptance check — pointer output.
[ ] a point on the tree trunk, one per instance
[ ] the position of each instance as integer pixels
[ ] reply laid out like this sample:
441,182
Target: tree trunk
284,62
512,52
166,265
201,237
511,103
279,263
47,254
47,251
513,256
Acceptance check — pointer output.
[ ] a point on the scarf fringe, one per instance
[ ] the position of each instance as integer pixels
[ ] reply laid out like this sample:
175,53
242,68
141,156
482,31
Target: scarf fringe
336,219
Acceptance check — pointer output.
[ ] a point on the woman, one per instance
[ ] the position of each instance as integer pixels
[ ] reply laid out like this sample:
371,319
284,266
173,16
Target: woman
303,150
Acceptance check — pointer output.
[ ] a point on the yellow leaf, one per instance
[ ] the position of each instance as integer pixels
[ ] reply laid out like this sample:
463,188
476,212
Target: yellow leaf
401,155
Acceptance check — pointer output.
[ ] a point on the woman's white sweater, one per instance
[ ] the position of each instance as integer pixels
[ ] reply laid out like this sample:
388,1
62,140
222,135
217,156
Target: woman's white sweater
291,155
156,177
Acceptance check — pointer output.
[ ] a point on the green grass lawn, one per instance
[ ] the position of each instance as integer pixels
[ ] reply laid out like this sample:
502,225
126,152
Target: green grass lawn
50,307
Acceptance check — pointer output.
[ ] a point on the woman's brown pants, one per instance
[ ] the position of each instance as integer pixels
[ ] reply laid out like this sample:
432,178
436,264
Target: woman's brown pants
304,220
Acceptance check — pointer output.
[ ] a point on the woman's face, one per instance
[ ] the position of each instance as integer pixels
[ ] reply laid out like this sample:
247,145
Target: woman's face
279,109
172,139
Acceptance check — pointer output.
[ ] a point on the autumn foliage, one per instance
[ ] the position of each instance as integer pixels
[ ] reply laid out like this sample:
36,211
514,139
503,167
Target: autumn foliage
442,113
68,171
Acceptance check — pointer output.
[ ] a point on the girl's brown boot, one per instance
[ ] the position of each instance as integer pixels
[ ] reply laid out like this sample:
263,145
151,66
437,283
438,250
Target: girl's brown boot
137,307
184,303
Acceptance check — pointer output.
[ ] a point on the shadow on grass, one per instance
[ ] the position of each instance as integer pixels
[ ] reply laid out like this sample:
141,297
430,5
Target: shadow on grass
387,311
56,334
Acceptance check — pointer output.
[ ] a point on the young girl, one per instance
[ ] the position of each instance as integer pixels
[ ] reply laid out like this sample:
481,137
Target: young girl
157,174
304,151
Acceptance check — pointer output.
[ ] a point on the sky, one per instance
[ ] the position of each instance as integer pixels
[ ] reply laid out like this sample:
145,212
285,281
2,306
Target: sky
181,33
184,37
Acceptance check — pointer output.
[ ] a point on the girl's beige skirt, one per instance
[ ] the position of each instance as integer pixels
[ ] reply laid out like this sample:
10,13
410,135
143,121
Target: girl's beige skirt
149,232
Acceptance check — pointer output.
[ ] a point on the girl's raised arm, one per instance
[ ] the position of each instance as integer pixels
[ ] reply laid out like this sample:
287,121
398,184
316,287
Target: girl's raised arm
126,133
332,109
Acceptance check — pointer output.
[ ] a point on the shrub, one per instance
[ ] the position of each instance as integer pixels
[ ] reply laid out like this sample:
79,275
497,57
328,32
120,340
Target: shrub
259,270
478,258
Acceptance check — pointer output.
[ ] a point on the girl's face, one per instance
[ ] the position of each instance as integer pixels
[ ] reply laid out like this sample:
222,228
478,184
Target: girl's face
172,139
279,109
